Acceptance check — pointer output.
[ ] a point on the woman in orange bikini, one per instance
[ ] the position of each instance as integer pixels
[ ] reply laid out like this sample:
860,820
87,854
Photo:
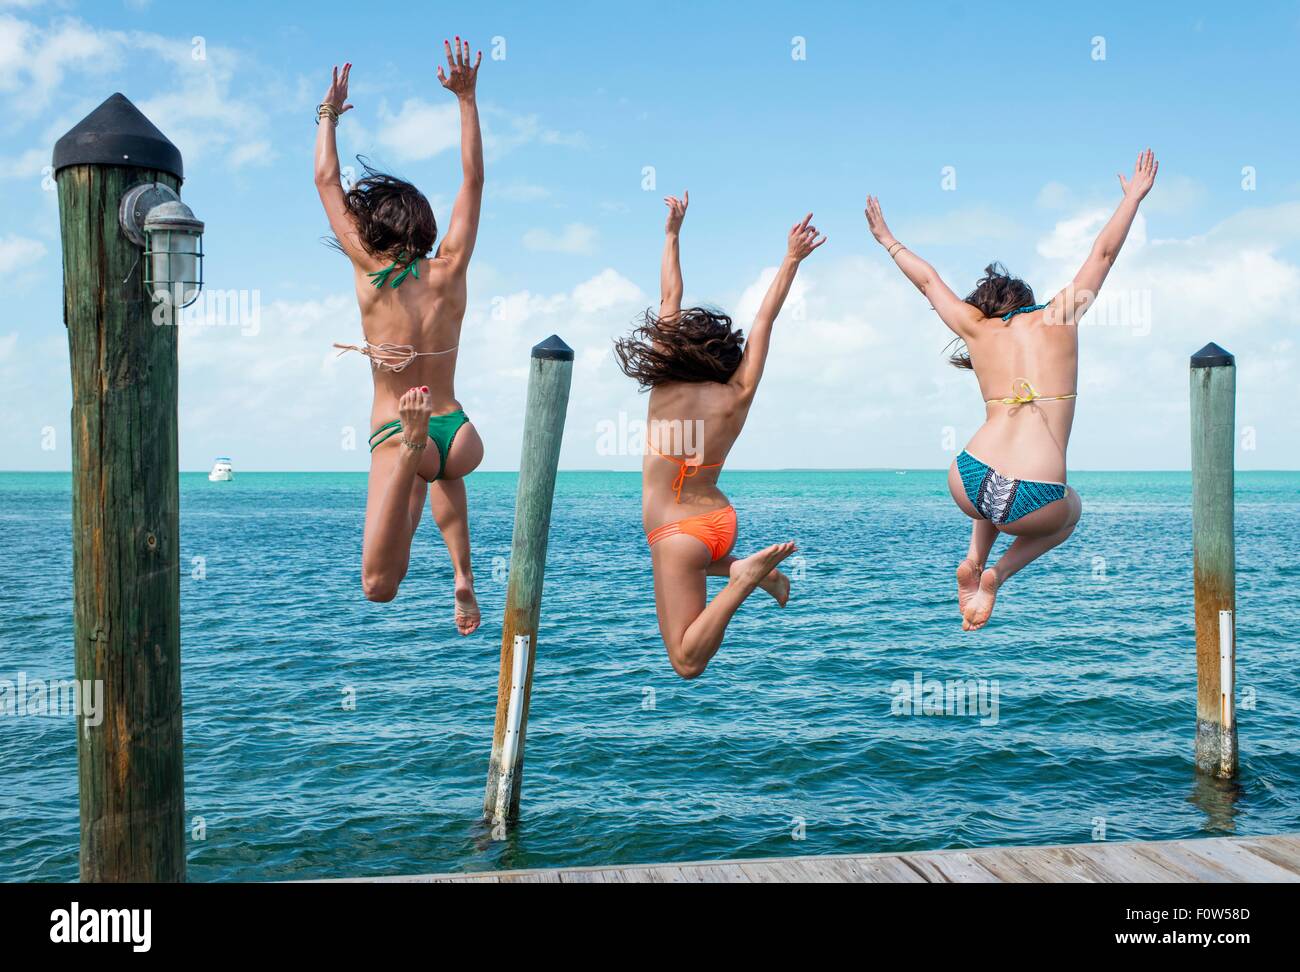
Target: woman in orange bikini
702,376
412,306
1011,476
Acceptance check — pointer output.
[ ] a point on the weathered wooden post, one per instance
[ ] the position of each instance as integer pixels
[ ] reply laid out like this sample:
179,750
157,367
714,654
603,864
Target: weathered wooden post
1214,395
125,522
550,371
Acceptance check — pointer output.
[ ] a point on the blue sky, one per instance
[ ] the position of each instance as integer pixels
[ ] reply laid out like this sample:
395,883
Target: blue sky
988,131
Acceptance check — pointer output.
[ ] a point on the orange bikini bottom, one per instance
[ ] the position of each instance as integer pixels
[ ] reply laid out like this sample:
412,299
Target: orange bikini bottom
716,530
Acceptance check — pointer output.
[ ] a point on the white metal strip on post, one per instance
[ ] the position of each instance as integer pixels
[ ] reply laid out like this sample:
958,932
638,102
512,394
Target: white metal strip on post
514,715
1227,690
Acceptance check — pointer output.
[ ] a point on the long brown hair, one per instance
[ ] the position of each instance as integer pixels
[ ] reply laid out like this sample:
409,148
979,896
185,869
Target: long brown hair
996,294
696,344
393,218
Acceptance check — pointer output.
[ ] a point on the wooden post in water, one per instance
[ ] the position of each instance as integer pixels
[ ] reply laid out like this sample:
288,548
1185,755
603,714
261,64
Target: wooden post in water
549,373
1214,396
125,520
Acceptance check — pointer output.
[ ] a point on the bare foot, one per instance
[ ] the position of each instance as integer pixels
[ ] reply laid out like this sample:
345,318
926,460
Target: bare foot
968,583
778,585
981,605
414,410
753,571
467,614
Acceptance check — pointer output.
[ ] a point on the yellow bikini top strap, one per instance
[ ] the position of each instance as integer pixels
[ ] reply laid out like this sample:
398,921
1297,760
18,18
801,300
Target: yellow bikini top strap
1022,393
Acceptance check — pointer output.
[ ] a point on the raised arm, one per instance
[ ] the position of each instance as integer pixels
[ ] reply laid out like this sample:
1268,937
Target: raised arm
461,80
952,310
802,241
1072,302
329,184
670,268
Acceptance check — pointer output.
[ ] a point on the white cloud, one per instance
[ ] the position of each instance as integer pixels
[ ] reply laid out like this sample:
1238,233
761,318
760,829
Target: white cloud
607,289
1175,193
1054,195
33,61
252,153
1071,239
200,111
7,345
18,252
423,129
197,107
418,130
27,165
575,238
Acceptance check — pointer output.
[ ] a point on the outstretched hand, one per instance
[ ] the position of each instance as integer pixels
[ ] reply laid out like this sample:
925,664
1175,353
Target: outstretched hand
676,212
803,238
461,76
876,222
337,95
1144,176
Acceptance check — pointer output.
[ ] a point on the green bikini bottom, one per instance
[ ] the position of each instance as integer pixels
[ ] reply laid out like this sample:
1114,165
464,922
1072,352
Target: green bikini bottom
442,430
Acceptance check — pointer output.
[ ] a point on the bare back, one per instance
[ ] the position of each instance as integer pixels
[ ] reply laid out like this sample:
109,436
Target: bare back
1027,441
696,421
425,313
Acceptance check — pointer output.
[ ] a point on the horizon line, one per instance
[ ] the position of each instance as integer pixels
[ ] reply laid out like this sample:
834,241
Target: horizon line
632,472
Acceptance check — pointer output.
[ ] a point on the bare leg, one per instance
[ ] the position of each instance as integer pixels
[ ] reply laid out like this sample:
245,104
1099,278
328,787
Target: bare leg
982,535
775,583
394,492
1024,550
693,630
450,507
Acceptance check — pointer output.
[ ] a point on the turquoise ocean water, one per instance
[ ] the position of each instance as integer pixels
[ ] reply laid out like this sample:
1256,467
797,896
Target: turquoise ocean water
790,743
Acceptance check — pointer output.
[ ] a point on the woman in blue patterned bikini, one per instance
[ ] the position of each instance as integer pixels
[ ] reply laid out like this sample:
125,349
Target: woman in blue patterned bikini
1011,476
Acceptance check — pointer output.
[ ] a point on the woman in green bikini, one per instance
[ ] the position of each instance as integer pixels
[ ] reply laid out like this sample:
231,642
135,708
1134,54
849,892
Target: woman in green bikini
1010,478
412,306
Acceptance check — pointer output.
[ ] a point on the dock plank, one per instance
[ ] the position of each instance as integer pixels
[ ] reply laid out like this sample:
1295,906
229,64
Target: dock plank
1215,859
1281,853
1240,861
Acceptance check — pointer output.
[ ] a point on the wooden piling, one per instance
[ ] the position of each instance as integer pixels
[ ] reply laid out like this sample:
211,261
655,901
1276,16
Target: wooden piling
125,509
1213,407
549,374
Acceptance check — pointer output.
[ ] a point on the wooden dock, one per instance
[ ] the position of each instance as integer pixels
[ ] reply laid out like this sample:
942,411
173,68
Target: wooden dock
1217,859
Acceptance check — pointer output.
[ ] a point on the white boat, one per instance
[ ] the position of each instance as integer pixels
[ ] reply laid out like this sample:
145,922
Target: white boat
222,471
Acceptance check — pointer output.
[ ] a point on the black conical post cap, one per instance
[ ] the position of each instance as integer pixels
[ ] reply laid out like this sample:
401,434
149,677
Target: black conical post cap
117,133
1212,356
553,349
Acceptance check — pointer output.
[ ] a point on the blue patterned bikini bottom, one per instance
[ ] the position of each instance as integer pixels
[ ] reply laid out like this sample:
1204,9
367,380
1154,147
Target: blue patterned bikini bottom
1000,499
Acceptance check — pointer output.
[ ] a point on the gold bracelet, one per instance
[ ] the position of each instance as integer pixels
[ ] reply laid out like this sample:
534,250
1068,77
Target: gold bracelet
415,448
324,109
893,250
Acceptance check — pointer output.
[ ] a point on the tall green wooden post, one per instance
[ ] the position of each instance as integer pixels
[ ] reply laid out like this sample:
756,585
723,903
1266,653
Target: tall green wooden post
549,374
125,519
1214,396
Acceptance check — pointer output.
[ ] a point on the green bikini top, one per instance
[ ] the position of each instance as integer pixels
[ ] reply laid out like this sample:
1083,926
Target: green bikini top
380,277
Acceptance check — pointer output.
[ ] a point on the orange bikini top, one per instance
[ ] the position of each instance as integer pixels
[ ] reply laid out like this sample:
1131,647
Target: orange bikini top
684,470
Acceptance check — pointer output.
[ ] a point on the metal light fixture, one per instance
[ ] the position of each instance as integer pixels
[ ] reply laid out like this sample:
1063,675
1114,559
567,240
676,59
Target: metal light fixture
153,216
